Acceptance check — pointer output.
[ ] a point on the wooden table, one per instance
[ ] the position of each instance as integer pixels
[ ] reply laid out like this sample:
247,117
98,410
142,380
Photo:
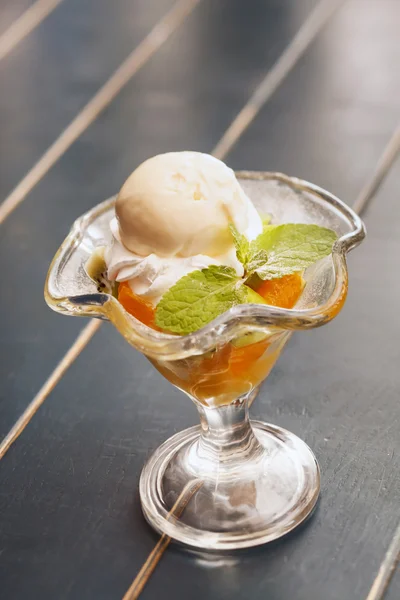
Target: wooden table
71,526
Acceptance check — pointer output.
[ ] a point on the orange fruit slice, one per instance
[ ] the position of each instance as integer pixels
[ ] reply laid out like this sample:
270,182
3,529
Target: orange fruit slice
242,359
283,292
142,309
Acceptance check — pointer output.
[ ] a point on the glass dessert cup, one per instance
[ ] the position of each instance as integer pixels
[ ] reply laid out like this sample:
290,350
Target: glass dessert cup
227,483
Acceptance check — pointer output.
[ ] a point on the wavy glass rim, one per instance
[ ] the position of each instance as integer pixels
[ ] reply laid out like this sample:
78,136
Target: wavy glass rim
233,322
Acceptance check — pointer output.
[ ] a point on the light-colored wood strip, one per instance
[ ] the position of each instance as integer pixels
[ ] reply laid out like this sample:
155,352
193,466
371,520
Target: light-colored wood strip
385,162
144,51
148,568
26,23
387,569
155,555
81,341
285,63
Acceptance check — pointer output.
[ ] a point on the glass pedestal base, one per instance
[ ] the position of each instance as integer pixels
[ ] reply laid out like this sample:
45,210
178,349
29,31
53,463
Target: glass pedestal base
221,499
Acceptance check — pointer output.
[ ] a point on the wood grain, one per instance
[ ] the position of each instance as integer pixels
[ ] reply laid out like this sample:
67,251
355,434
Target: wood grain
25,24
71,525
171,104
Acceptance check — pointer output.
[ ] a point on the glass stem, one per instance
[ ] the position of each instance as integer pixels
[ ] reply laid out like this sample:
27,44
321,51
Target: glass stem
227,438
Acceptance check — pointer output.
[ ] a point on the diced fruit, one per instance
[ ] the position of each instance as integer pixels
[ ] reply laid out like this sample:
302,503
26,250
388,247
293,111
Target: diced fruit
237,366
252,337
223,371
96,268
283,292
96,264
142,309
255,336
242,359
253,297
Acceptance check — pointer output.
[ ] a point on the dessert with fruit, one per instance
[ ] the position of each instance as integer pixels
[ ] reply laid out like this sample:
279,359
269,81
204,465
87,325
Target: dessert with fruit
189,245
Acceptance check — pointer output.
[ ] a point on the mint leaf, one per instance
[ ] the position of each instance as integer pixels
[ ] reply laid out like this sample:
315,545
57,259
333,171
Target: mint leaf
242,245
198,298
257,261
201,296
289,248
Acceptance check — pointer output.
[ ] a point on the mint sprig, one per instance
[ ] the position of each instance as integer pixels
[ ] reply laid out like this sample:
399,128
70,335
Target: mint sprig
201,296
242,245
198,298
289,248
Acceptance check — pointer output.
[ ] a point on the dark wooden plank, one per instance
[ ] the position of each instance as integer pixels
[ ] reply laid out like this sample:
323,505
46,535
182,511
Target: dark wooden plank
86,506
70,514
184,97
330,119
393,592
57,68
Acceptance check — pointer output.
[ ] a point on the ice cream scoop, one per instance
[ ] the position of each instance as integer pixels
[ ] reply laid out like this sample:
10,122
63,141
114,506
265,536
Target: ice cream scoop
180,204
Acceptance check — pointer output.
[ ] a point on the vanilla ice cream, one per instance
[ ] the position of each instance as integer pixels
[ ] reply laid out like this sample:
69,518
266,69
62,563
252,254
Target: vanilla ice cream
172,217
